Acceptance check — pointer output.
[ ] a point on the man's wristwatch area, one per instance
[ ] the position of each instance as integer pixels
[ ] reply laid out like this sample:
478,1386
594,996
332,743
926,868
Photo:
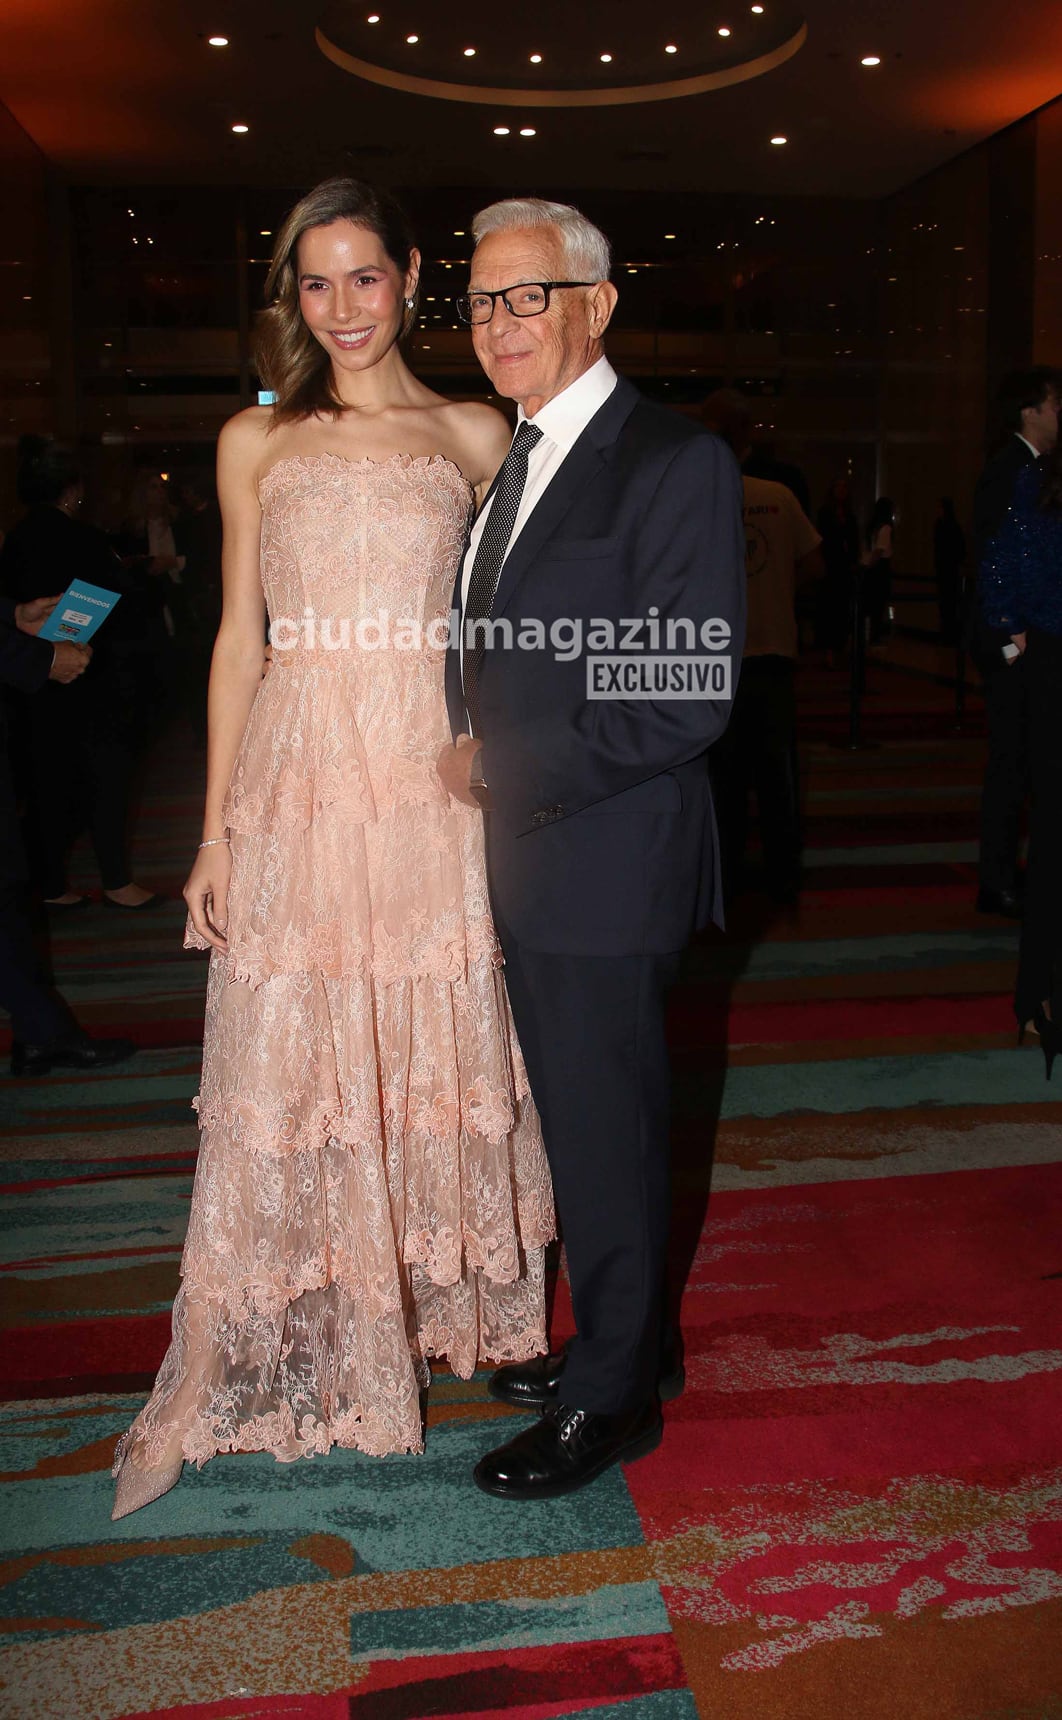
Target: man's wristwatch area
476,785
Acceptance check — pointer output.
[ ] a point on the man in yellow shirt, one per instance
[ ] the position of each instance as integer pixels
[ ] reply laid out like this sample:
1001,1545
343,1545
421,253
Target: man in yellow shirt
758,751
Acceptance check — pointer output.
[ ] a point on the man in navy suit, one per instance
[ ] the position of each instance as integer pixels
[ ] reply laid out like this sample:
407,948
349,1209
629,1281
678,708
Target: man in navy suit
44,1032
1027,405
613,532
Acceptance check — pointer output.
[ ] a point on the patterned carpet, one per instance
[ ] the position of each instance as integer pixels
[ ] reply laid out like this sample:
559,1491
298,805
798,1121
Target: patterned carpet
856,1512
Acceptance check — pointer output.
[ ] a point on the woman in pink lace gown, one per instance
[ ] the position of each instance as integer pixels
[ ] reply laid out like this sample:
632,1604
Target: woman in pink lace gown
372,1189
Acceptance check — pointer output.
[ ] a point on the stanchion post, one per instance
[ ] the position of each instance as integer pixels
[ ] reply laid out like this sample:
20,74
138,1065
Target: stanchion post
960,653
858,680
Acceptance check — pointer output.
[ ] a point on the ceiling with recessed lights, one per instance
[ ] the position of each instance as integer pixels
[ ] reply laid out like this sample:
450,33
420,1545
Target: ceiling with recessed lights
589,97
553,57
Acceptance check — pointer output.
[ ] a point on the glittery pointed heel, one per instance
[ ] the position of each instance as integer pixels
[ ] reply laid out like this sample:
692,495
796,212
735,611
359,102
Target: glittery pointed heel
138,1487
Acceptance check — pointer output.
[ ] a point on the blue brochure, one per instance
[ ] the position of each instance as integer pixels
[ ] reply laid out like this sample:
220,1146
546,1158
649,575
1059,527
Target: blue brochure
79,612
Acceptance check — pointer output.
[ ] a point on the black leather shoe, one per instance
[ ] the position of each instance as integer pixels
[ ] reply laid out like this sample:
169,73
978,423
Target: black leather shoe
1004,902
534,1384
565,1449
81,1053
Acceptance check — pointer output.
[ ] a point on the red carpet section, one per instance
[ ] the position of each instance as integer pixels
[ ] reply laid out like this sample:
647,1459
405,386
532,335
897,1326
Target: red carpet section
856,1511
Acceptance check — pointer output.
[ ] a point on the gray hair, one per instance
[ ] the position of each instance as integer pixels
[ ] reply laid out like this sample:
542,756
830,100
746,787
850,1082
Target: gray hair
587,253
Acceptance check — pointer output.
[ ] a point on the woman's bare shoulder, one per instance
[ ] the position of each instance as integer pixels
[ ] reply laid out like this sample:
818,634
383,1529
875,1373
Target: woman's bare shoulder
247,430
482,435
242,445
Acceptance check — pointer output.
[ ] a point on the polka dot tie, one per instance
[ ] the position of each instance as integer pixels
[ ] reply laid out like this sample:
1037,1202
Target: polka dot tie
487,565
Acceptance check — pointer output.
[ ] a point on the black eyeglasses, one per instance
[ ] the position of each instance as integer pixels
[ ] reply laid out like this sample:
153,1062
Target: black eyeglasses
528,299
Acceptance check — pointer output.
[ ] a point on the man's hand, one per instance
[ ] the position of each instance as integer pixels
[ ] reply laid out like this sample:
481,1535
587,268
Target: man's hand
30,617
1019,640
69,662
454,765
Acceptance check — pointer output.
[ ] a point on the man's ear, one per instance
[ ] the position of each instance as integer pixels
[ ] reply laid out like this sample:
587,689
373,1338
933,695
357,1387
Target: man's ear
602,303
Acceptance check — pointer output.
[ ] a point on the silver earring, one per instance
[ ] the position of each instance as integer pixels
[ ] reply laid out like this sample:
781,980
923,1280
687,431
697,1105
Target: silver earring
410,303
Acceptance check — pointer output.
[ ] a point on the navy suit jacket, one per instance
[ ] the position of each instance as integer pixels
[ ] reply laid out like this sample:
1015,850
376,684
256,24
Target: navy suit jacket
992,499
25,661
25,664
602,837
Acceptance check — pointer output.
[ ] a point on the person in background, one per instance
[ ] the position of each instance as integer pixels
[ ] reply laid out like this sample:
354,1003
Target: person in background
197,539
949,555
1028,405
1021,595
195,604
146,545
877,571
85,731
763,463
757,752
44,1032
839,531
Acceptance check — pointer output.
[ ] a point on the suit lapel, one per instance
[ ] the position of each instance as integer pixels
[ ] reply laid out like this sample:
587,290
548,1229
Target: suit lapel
577,470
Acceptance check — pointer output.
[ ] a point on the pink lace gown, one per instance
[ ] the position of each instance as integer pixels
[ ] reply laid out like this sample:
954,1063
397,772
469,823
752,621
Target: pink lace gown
371,1187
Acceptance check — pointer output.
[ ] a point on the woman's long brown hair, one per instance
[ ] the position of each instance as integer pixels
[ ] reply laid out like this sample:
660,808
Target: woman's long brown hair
288,358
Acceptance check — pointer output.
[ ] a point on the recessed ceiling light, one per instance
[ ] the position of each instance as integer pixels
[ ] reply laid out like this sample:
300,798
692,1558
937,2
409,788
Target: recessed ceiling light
723,31
779,140
470,53
501,131
870,60
536,59
265,232
241,128
606,59
671,48
459,232
527,131
218,41
412,39
758,10
373,18
669,235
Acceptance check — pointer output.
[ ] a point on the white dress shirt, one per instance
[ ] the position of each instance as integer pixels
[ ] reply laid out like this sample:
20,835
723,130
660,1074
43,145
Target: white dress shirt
562,421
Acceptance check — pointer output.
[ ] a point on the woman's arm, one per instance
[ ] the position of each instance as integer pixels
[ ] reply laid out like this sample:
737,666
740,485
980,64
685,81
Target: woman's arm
237,662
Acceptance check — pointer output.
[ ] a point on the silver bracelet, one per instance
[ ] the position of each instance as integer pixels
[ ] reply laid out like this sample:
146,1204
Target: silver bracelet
214,840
